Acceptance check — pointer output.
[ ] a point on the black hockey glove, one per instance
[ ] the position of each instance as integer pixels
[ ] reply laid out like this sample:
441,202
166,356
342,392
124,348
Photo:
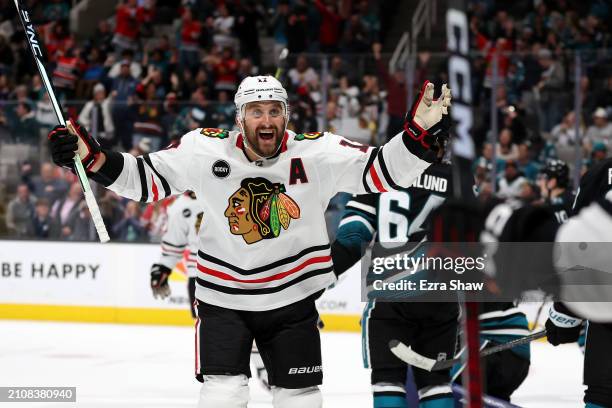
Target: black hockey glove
562,326
159,281
64,143
427,123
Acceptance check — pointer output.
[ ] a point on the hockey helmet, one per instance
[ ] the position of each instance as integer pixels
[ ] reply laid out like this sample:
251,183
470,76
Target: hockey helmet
260,88
559,170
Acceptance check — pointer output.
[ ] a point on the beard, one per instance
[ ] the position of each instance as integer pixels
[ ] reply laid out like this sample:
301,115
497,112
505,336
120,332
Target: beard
264,140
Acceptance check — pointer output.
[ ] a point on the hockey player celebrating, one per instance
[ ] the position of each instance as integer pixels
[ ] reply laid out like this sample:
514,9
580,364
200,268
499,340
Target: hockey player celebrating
263,254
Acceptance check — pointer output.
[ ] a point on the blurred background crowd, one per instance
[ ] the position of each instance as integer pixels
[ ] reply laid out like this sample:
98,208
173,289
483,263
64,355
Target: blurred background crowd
144,72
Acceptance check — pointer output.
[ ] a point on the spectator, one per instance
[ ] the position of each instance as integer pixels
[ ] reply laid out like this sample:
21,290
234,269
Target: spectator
564,134
42,224
123,90
128,20
189,48
225,69
197,114
248,15
96,116
64,209
601,129
397,93
79,226
147,122
511,183
56,10
24,128
170,115
302,75
130,227
127,57
45,114
505,148
279,26
599,152
111,210
48,185
543,150
525,164
550,89
67,72
329,30
297,28
223,25
223,111
20,212
102,38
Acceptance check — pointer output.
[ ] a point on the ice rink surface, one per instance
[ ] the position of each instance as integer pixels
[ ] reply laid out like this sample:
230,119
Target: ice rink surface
152,366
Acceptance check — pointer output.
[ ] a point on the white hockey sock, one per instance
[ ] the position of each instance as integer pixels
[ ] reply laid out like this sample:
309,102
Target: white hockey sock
224,391
297,398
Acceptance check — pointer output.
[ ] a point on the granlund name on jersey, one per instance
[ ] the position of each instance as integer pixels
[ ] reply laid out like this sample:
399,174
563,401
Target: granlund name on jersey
264,243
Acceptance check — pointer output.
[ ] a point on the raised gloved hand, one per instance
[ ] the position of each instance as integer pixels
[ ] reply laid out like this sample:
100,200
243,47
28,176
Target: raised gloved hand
427,121
64,141
159,281
562,326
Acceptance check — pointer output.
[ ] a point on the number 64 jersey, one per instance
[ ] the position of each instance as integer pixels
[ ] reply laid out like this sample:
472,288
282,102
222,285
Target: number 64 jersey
264,242
396,217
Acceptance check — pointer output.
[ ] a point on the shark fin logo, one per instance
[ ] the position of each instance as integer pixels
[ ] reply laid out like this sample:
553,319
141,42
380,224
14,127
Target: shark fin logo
260,209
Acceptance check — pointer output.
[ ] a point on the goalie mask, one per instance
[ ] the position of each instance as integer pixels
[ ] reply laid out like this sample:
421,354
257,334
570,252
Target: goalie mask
259,89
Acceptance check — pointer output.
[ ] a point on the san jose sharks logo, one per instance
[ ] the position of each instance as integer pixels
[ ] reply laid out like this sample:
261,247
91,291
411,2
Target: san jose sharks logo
259,209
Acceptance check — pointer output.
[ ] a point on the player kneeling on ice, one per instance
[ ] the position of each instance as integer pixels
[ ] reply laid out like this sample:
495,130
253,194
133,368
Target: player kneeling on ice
263,254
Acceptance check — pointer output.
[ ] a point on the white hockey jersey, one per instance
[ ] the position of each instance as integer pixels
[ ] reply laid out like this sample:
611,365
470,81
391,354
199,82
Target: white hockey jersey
184,219
264,243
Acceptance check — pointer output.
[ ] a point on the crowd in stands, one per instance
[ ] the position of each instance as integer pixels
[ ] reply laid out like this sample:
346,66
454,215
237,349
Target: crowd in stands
159,68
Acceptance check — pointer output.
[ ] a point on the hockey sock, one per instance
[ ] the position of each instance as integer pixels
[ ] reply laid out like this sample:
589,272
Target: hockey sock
224,391
437,396
389,395
309,397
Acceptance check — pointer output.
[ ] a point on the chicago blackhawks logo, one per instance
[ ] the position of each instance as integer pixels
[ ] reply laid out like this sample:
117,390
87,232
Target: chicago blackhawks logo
258,210
308,136
215,132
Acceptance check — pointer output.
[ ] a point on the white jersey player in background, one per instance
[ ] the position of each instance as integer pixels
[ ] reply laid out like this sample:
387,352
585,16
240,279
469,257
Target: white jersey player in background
184,219
263,253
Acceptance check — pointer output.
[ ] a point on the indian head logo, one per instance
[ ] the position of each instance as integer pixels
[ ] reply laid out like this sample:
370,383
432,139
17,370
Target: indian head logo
258,210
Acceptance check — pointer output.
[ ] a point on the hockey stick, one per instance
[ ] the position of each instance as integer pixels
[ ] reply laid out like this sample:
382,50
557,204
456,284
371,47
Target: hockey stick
282,60
406,354
35,47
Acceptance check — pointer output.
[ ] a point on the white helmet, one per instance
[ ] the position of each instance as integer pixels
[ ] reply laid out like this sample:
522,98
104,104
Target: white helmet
259,88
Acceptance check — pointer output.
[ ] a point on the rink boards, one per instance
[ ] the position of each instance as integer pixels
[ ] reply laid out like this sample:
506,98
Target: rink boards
109,283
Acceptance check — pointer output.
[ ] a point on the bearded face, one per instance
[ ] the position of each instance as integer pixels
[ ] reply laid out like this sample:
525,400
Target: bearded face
264,125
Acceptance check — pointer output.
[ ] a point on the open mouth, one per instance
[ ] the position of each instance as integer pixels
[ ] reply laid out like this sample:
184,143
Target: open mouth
266,134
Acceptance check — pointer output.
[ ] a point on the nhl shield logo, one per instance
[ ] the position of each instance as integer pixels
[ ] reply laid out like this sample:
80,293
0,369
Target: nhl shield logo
221,169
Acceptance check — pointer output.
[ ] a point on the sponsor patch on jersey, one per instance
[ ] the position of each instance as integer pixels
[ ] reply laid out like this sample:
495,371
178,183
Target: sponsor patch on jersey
186,213
221,169
215,132
308,136
260,209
